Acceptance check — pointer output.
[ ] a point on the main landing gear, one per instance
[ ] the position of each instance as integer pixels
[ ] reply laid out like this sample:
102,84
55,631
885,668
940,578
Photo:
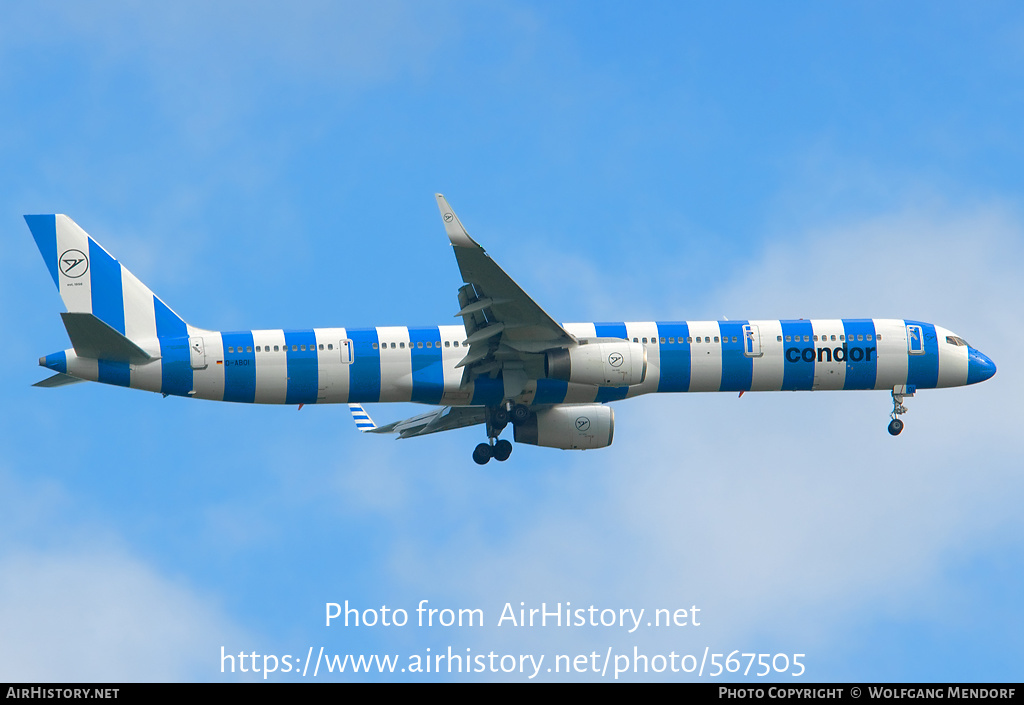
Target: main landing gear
500,416
898,394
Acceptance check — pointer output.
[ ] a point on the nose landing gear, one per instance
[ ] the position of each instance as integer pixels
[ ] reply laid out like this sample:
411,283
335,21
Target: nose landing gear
898,394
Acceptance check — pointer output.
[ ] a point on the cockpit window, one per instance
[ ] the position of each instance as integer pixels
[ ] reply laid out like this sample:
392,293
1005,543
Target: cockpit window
954,340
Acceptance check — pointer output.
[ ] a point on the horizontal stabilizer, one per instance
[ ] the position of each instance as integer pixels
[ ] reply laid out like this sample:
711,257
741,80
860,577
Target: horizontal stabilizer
57,380
444,419
92,338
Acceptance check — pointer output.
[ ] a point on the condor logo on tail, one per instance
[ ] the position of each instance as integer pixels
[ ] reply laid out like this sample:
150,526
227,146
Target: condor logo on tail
73,264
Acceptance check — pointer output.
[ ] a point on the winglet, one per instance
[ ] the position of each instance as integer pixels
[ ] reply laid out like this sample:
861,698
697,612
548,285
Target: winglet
452,225
362,419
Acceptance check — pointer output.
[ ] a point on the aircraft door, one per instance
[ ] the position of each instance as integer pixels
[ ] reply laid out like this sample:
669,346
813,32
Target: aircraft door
752,341
346,351
197,353
915,340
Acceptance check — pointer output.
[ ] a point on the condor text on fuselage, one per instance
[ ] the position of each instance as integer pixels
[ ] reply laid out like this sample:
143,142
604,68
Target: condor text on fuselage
826,354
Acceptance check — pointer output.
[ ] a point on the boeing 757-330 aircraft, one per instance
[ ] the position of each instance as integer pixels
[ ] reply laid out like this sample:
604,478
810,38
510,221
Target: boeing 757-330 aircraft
509,361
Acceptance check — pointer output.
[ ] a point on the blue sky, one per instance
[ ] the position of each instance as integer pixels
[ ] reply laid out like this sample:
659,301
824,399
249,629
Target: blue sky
262,166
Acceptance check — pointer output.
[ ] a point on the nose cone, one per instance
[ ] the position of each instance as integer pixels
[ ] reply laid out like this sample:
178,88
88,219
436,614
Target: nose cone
979,367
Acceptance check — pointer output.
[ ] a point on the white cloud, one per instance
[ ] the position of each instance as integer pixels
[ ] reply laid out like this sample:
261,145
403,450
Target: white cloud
102,615
76,605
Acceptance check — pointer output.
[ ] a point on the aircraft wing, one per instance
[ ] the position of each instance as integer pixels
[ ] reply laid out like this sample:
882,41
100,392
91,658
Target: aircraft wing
443,419
504,326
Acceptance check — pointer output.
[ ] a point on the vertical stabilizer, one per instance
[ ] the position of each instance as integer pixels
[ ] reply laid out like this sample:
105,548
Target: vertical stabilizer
91,281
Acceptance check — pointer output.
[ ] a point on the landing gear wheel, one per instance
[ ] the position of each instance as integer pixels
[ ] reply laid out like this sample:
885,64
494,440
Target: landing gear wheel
499,419
899,393
520,412
482,453
502,449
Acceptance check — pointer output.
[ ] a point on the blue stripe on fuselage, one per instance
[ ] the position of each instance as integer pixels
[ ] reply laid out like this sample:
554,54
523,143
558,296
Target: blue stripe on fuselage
303,370
737,368
609,330
239,367
364,372
58,362
675,358
550,391
798,371
175,366
110,372
427,368
107,290
924,369
488,391
861,353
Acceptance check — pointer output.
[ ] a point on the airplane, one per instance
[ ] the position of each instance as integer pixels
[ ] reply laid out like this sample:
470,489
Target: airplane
508,363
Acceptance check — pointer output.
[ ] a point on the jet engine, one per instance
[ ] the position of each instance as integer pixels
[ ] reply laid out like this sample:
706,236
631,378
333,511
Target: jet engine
609,363
568,426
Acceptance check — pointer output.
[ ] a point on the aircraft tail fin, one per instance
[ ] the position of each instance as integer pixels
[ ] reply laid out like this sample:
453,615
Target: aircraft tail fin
102,297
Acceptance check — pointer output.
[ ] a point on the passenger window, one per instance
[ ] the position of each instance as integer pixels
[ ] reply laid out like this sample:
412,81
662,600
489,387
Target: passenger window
419,344
231,348
789,339
330,346
374,346
429,344
277,349
635,340
321,346
780,338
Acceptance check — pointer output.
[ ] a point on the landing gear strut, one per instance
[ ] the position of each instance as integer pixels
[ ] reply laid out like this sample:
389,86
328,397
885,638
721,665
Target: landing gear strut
898,394
500,450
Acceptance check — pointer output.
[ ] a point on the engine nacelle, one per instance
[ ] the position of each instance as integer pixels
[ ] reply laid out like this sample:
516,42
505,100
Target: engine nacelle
609,363
576,426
